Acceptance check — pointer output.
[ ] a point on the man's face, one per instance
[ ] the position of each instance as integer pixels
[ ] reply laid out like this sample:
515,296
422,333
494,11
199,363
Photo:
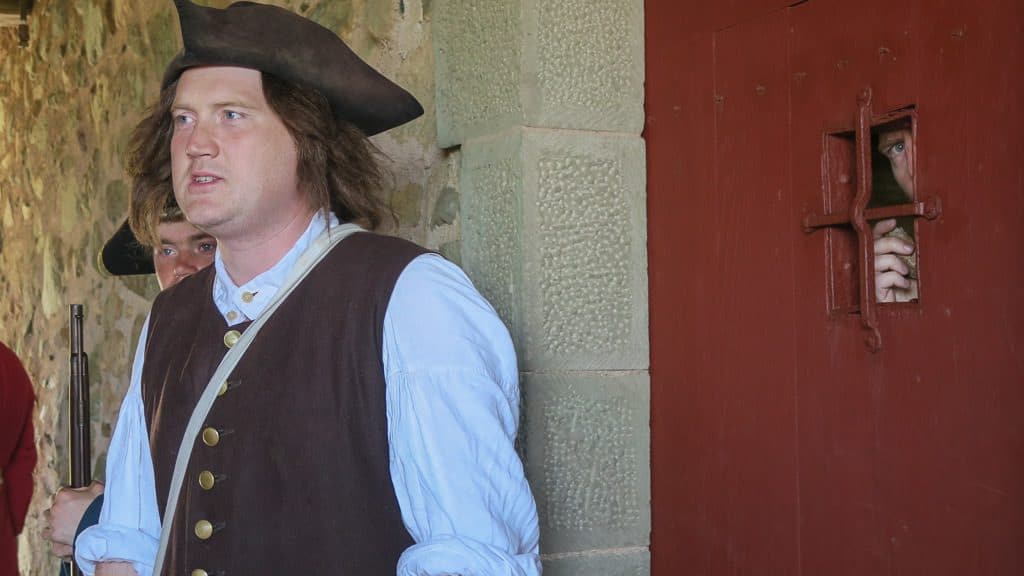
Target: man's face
898,147
183,251
233,161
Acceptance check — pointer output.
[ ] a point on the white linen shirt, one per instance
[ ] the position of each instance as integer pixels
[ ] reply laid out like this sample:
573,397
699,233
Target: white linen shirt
452,413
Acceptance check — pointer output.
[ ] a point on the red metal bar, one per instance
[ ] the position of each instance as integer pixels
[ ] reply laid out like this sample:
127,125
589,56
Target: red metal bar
865,239
929,209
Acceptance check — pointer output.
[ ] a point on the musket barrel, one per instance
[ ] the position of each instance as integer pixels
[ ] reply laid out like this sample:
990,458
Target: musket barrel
80,442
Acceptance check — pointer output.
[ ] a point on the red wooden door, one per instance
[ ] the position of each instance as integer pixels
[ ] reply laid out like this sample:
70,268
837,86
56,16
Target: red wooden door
780,443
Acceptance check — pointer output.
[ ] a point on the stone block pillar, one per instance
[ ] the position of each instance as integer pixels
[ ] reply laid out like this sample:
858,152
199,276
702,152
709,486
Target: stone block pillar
545,99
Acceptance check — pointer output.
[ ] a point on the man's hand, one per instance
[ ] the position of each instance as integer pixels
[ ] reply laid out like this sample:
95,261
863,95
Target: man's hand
115,569
63,517
893,274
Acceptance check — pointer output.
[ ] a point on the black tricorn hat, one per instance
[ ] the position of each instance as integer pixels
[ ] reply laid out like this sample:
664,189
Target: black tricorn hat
123,255
296,49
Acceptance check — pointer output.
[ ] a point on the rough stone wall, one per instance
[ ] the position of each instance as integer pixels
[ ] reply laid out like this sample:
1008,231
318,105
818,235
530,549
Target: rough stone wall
67,105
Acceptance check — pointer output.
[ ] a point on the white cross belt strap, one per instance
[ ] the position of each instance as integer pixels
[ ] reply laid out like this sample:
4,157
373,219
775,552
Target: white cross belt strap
312,256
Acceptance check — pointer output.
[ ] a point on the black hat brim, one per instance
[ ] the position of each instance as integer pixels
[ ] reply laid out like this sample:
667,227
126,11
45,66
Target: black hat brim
123,255
296,49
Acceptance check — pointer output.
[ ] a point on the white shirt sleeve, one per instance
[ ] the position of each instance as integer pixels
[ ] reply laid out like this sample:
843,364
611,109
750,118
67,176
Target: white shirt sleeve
453,411
129,525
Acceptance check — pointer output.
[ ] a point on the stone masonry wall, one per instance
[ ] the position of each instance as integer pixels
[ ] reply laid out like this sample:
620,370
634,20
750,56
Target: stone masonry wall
544,98
67,105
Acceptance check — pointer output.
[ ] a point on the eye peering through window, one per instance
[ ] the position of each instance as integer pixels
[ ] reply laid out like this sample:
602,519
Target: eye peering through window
891,213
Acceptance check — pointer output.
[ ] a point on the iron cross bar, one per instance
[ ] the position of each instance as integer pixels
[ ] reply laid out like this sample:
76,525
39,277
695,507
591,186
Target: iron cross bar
929,209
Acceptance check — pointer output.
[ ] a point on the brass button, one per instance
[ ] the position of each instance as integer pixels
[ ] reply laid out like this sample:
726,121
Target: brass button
207,479
204,529
232,315
211,436
231,338
200,572
247,297
223,389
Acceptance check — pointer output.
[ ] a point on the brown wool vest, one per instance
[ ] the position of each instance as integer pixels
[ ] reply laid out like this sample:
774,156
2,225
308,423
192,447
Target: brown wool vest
300,477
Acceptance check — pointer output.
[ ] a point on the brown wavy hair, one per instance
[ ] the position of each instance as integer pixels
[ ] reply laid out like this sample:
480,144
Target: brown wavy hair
338,168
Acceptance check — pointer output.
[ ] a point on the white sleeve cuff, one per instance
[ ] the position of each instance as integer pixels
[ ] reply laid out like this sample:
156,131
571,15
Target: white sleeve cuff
112,543
453,555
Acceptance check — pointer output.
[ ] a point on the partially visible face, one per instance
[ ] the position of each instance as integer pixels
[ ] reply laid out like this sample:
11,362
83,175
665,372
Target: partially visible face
233,162
183,251
898,147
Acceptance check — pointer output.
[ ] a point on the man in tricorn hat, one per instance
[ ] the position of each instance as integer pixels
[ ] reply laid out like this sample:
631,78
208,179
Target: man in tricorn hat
180,250
341,402
183,250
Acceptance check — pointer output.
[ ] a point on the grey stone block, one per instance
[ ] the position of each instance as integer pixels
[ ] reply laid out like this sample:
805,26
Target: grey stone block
587,446
584,252
477,46
554,63
554,233
617,563
491,188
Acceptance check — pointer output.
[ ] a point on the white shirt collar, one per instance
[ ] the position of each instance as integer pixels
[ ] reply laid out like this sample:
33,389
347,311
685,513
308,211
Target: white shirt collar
242,303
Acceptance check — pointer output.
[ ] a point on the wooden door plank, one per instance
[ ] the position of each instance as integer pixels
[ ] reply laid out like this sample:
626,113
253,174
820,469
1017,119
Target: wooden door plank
722,379
749,281
956,475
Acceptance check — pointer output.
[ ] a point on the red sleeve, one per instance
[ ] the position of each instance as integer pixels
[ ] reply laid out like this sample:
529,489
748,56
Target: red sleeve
19,458
18,475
